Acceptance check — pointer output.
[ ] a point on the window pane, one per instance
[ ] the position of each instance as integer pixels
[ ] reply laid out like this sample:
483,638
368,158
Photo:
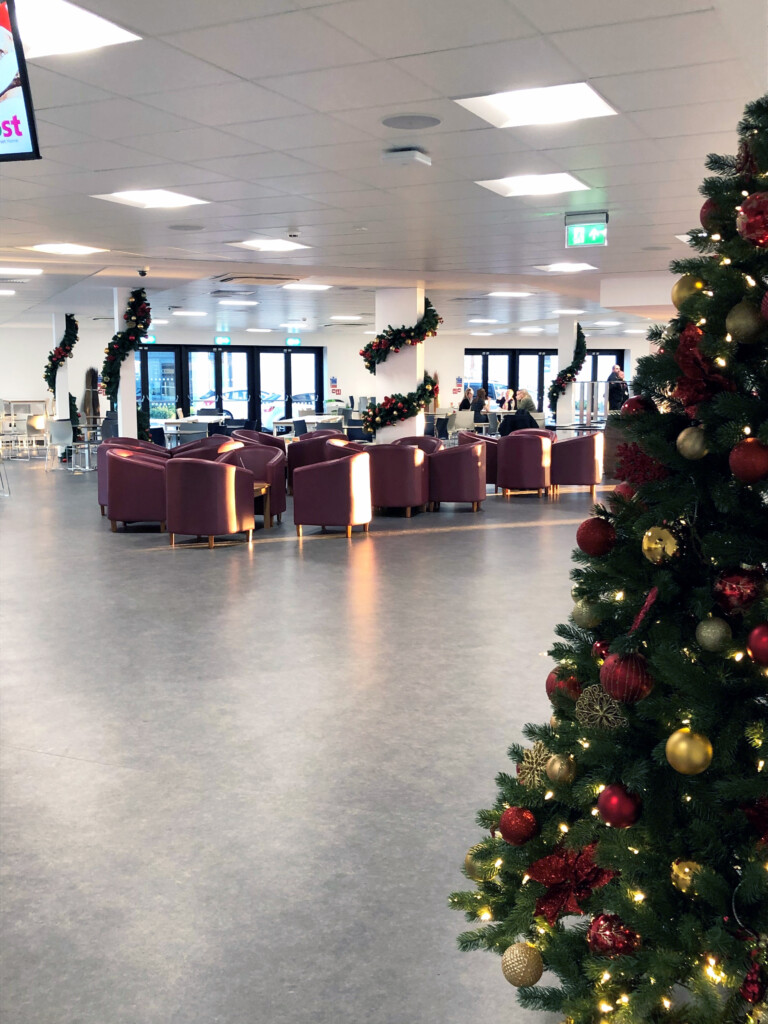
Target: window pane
272,394
234,385
161,385
304,396
498,376
528,375
202,383
473,371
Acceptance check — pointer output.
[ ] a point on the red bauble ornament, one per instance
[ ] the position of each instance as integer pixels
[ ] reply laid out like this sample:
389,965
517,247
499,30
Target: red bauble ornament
618,807
637,404
518,825
596,537
752,221
757,644
626,677
624,490
749,460
764,307
569,685
711,216
609,936
737,589
600,649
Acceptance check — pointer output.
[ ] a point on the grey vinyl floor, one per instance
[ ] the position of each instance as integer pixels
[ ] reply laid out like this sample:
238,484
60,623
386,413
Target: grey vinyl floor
238,784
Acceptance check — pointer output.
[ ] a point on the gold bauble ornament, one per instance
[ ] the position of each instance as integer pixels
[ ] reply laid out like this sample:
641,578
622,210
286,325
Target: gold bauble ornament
686,288
688,752
561,768
745,324
586,615
660,544
714,634
682,874
477,872
692,443
522,965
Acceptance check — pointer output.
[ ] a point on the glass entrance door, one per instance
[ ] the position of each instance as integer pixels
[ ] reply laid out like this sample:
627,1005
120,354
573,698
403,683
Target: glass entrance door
202,390
290,384
158,382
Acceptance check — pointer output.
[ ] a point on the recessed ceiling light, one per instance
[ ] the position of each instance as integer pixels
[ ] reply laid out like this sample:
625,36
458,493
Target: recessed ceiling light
295,326
369,332
607,323
481,334
410,122
634,332
237,302
509,295
270,245
566,268
351,317
156,323
7,291
531,330
65,249
553,104
482,320
299,286
566,312
19,272
258,330
534,185
152,199
55,26
188,312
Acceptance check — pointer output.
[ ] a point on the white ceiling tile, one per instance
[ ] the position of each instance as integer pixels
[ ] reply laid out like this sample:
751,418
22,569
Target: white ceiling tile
453,118
626,174
148,17
572,158
350,200
644,90
194,144
50,89
304,184
116,119
668,122
12,189
595,131
556,16
166,175
389,175
469,143
51,135
232,191
645,45
258,166
278,204
280,44
344,157
697,147
393,28
103,156
299,132
31,170
229,103
358,85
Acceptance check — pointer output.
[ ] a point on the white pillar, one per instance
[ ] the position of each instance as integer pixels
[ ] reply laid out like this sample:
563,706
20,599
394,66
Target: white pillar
404,370
566,340
62,374
127,424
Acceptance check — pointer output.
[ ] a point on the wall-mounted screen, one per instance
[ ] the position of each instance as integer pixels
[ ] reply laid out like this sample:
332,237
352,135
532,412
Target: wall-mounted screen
18,137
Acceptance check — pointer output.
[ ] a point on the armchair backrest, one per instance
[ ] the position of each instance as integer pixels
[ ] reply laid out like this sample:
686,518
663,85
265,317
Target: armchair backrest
426,443
258,459
341,448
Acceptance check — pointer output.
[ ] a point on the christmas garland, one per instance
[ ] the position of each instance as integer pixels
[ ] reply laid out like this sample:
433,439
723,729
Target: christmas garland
570,373
62,351
395,408
393,339
139,316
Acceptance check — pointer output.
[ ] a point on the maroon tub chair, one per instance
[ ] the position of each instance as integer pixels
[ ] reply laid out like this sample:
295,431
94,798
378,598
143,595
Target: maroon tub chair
208,499
307,452
259,437
333,493
524,462
458,474
427,443
491,448
399,476
341,448
127,444
136,487
264,463
578,460
540,431
209,448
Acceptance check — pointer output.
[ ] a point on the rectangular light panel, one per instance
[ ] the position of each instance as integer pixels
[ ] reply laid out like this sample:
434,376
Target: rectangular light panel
54,26
152,199
534,185
554,104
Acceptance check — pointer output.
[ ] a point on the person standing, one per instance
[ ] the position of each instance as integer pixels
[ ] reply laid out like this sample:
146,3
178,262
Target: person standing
617,388
480,406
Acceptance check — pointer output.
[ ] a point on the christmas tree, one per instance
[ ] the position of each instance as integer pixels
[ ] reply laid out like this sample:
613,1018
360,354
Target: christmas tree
627,855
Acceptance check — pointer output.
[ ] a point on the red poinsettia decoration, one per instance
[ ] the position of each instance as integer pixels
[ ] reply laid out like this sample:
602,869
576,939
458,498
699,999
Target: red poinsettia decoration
571,876
699,382
635,467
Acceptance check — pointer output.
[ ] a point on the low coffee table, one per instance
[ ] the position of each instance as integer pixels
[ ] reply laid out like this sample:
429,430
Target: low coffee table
261,490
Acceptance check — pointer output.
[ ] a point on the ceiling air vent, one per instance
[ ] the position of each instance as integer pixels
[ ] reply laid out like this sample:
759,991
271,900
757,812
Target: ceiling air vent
255,279
224,293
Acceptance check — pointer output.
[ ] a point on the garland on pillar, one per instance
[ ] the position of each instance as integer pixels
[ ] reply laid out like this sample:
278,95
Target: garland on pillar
62,351
570,373
138,316
395,408
393,338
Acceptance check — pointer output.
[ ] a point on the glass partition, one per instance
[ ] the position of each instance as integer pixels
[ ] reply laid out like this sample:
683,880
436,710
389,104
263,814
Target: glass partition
235,391
203,398
272,396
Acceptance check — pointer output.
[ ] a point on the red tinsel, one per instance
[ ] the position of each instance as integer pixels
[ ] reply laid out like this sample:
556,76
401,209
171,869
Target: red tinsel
634,466
571,876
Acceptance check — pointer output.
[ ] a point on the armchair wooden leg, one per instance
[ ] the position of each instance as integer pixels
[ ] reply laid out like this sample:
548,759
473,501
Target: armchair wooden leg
408,512
103,512
298,531
496,489
323,529
250,536
538,493
113,525
366,527
349,532
279,517
593,491
172,539
474,506
210,540
162,526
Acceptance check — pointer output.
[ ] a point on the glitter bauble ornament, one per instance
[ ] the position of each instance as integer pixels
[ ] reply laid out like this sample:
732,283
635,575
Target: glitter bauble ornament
568,684
600,649
685,288
757,644
637,404
561,768
660,545
737,589
714,635
586,615
744,323
517,826
752,219
711,216
692,443
626,677
477,872
749,460
596,537
688,752
609,936
682,874
522,965
618,807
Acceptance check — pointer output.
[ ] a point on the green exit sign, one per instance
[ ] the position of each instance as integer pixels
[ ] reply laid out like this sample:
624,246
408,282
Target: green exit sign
293,341
579,235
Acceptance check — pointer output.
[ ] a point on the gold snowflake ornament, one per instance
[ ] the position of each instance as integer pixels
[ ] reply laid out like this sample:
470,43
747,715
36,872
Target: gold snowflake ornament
598,710
531,769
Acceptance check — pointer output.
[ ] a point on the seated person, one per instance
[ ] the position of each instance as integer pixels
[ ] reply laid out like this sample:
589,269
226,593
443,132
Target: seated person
525,402
508,402
466,403
480,406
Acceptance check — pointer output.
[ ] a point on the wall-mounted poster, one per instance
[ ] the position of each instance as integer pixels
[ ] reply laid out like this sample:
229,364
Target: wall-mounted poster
18,137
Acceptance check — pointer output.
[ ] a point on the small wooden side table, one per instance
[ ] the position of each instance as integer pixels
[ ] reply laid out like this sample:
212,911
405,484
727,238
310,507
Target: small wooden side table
261,490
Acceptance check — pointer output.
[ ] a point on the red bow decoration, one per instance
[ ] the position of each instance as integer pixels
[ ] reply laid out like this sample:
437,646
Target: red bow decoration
571,876
699,381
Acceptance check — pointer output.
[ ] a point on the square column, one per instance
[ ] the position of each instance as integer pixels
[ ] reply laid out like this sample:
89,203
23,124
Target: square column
127,423
61,401
404,370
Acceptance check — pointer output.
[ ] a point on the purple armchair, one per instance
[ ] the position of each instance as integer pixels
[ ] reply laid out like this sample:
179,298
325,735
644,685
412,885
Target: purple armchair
491,448
209,448
540,431
524,462
341,448
425,442
207,498
334,493
136,487
399,476
264,463
259,437
125,444
578,460
306,453
458,474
